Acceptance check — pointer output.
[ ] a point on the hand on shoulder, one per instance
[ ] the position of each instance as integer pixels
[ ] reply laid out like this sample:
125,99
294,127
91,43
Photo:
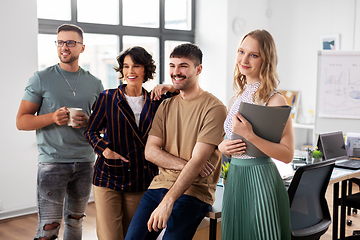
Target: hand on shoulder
160,89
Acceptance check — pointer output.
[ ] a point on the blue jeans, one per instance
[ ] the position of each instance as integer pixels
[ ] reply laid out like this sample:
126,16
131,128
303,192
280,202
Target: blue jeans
63,189
187,214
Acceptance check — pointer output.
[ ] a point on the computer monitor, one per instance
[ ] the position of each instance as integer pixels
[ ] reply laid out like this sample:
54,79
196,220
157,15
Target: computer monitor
332,145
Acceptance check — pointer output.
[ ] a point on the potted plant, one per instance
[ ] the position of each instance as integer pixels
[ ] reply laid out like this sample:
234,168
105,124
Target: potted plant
316,155
224,171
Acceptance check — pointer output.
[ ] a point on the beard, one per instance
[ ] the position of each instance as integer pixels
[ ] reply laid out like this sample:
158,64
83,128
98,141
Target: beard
184,84
68,60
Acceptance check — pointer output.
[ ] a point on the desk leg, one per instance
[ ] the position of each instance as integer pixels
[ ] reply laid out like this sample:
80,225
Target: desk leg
343,209
349,193
335,211
212,231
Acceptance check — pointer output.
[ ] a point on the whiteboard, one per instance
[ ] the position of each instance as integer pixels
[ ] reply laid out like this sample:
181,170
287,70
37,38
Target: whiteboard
338,92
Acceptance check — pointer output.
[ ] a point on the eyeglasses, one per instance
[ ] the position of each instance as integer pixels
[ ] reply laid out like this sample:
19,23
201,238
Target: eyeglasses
69,43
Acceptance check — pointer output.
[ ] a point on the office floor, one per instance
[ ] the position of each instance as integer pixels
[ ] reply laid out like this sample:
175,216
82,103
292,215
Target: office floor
24,227
355,218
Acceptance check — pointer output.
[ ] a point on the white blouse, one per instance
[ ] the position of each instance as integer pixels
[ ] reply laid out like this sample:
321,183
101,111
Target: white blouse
246,96
136,104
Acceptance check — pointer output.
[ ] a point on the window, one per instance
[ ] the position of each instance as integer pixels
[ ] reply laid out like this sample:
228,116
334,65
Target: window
114,25
178,14
100,51
49,9
134,12
90,11
47,51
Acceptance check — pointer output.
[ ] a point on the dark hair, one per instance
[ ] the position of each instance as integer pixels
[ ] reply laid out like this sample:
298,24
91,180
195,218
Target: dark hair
71,28
139,56
188,50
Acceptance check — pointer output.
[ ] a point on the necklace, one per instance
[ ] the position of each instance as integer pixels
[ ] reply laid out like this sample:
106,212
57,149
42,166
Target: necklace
73,90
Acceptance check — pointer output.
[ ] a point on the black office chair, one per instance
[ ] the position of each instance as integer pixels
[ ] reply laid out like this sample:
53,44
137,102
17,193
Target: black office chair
309,212
357,182
352,201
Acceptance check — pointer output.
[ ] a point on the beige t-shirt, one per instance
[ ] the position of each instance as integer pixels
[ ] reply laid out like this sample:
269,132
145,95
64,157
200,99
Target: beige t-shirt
181,124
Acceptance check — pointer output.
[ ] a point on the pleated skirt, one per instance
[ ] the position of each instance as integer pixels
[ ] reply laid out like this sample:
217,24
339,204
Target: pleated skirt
255,202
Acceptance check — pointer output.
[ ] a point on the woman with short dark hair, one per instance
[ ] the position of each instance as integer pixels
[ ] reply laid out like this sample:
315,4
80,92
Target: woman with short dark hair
118,130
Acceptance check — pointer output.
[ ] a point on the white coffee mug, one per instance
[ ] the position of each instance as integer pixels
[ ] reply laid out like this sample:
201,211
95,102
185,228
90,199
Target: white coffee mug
72,112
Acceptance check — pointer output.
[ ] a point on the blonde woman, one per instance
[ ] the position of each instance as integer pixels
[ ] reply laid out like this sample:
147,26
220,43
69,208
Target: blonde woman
255,204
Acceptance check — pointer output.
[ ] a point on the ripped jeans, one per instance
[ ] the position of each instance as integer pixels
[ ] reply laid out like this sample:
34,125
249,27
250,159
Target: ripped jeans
63,189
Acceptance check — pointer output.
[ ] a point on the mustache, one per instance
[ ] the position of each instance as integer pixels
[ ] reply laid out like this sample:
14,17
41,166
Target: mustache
178,75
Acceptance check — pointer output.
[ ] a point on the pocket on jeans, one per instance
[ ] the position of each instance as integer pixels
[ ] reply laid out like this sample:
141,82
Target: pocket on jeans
51,182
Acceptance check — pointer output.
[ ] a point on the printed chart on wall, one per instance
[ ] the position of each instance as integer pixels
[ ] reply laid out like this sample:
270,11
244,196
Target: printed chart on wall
339,85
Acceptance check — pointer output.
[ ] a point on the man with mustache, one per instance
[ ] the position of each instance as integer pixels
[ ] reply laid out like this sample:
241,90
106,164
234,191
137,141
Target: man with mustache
66,160
183,142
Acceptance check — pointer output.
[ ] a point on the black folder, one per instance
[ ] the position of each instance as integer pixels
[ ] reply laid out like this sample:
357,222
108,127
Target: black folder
267,122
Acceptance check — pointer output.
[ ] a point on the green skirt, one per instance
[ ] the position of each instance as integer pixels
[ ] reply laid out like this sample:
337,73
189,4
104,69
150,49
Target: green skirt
255,202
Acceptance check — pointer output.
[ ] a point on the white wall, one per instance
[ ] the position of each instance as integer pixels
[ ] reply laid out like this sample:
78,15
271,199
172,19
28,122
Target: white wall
215,37
295,25
18,43
210,35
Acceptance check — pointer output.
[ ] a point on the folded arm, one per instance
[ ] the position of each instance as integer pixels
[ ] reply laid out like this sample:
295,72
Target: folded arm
155,154
153,151
189,173
284,150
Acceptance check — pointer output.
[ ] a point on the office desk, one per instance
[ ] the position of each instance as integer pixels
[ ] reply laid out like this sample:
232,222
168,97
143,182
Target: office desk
215,212
340,175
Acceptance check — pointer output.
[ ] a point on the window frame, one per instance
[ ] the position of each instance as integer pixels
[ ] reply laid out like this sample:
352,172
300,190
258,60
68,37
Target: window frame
48,26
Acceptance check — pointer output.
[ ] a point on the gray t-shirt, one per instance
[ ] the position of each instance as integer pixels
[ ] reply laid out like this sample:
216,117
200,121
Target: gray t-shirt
49,89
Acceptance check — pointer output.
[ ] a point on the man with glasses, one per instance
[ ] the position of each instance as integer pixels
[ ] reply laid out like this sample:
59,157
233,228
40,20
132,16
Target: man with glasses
66,160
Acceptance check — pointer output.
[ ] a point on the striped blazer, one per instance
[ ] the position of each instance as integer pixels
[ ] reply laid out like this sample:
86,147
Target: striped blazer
114,117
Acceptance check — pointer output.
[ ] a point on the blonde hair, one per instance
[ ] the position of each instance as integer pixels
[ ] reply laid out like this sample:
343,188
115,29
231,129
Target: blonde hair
269,79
